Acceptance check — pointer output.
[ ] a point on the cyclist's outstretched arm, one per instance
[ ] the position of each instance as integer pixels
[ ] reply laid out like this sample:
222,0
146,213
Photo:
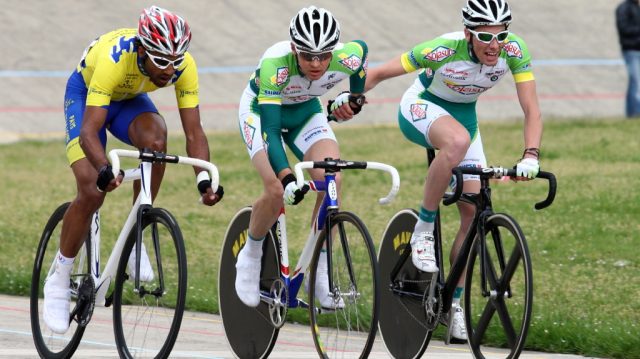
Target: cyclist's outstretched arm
389,69
528,97
198,147
528,166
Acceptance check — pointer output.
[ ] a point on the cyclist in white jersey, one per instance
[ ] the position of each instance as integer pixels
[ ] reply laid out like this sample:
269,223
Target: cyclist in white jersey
281,104
438,111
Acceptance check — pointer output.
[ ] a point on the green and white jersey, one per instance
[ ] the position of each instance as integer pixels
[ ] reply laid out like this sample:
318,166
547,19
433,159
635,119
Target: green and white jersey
277,79
451,74
279,97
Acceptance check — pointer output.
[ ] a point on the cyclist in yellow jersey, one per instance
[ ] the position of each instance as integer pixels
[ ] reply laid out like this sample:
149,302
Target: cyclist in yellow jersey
108,91
438,112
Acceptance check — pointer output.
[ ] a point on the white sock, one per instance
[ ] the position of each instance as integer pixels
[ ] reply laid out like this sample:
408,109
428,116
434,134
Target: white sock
422,226
254,247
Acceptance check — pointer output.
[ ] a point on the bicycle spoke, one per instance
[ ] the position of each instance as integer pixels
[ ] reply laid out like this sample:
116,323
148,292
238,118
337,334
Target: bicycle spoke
505,319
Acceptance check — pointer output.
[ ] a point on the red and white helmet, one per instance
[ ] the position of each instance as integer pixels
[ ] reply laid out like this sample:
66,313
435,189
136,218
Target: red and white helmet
162,31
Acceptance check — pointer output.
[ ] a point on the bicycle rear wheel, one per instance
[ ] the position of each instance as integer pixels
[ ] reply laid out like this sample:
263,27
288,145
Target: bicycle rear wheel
249,331
347,332
48,343
403,315
146,322
501,316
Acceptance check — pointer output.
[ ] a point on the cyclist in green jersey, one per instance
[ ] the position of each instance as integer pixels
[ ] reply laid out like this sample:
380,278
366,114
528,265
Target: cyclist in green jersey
281,104
438,112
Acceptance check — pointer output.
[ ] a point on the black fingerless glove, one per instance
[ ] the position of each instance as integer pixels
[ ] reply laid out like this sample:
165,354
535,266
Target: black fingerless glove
105,175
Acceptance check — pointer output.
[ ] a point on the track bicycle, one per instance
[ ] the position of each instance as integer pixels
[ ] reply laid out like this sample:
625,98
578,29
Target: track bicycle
146,315
347,331
498,290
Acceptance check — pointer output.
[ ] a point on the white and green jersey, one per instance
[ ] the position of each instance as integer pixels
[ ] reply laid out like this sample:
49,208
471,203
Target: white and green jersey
280,97
278,80
451,74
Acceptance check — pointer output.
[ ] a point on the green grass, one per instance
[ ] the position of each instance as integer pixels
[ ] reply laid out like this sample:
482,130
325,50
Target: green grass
584,247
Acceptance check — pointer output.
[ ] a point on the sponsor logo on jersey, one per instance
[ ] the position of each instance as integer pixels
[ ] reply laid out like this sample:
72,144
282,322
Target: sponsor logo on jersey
184,93
272,93
466,89
429,72
313,133
438,54
513,49
352,62
454,74
365,68
281,76
418,111
248,131
95,91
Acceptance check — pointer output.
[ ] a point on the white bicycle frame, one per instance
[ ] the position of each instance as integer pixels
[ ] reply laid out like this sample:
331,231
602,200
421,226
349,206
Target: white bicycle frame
103,279
307,251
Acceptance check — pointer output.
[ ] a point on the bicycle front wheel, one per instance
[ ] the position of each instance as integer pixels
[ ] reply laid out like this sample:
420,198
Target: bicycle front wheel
349,330
146,320
498,288
48,343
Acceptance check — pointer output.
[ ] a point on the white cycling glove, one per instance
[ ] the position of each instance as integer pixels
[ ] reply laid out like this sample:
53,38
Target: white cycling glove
340,100
528,167
292,193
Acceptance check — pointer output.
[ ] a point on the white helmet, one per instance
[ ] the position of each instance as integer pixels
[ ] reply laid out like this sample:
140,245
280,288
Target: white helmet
314,30
486,12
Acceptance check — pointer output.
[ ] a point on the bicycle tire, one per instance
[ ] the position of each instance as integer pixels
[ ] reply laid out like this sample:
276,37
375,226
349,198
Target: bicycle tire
48,343
401,320
140,330
249,332
348,332
499,320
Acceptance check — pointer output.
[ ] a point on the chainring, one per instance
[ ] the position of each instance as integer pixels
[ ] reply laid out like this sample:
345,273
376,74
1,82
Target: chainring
86,301
279,306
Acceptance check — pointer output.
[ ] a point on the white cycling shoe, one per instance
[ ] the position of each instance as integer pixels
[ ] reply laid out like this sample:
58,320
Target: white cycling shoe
57,299
458,328
248,277
146,272
423,253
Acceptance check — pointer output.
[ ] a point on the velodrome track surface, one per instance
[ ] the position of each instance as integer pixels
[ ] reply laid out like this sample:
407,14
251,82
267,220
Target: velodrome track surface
577,59
576,62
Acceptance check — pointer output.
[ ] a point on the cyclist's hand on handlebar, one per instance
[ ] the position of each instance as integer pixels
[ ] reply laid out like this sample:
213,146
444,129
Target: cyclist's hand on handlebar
210,198
292,193
527,169
106,182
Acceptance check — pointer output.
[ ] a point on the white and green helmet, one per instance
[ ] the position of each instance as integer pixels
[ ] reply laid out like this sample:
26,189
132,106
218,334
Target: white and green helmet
486,12
314,30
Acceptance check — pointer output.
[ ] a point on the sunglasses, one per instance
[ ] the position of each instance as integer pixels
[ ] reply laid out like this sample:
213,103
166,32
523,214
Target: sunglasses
310,57
487,37
162,62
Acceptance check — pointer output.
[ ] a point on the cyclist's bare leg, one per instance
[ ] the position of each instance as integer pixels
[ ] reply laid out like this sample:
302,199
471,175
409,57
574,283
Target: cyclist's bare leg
266,208
452,141
148,130
75,223
320,150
